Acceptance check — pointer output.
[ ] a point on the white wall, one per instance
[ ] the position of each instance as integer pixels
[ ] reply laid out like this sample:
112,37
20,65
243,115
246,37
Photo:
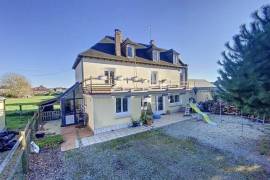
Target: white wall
2,114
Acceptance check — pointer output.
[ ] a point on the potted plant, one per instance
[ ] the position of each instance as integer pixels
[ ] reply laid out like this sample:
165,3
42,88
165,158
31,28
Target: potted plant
135,123
147,115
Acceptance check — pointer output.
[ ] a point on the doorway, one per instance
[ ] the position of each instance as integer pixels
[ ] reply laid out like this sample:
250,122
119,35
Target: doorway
160,104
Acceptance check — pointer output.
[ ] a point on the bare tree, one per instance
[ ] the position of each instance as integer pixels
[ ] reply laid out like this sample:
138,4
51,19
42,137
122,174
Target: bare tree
15,85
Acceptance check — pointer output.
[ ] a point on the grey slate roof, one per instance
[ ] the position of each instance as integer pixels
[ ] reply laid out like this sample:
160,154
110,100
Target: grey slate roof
105,49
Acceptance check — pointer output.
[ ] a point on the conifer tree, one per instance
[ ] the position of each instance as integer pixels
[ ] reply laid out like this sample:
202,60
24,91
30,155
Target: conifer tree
245,67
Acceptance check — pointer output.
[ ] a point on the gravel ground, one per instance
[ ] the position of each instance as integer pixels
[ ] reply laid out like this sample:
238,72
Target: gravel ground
186,150
229,135
48,164
154,155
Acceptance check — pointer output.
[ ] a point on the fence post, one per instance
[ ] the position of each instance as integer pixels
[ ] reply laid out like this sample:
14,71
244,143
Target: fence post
25,164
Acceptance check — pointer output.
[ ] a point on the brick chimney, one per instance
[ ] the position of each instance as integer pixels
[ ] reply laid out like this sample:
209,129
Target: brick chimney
118,41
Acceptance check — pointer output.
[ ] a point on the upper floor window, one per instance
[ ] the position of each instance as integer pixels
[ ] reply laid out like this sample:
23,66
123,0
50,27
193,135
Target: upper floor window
130,51
154,77
156,55
175,58
109,77
182,76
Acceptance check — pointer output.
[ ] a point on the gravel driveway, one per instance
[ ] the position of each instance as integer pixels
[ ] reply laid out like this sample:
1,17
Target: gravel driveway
233,134
186,150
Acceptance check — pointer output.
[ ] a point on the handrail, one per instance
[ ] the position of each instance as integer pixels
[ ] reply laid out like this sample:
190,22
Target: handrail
95,88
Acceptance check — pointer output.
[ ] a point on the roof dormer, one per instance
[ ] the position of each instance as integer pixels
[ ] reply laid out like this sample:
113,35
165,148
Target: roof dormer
130,51
175,58
155,55
129,48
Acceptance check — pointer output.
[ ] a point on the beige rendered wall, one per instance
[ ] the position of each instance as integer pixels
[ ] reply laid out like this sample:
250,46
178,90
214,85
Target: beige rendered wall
203,95
89,110
2,115
104,111
96,67
79,72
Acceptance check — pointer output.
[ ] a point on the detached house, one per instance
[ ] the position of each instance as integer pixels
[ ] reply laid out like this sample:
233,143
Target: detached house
116,76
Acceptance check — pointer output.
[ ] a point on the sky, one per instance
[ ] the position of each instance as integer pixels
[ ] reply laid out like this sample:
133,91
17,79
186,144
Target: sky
41,39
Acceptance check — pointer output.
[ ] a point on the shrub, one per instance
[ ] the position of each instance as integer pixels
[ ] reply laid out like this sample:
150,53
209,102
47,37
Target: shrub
50,141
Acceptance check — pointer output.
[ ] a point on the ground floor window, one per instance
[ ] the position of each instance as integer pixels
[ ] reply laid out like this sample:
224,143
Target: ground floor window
121,105
174,98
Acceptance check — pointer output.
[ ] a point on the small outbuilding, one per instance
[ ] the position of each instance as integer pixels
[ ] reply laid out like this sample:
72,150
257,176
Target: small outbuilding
70,107
202,89
2,114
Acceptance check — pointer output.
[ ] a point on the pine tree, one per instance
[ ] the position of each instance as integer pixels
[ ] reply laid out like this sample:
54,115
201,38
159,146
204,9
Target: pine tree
245,74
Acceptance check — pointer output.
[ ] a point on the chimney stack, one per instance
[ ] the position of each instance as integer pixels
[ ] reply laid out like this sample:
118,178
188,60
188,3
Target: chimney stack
118,41
152,42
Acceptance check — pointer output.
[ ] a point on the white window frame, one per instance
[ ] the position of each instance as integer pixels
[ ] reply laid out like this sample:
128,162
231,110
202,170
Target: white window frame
173,97
154,72
175,58
109,77
157,55
121,113
132,50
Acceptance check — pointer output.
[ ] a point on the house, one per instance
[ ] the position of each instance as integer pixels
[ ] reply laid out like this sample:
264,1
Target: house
41,90
58,90
116,76
2,113
202,89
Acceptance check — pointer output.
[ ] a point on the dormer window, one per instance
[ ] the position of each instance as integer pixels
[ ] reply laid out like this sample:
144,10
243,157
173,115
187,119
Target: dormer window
130,51
175,58
155,55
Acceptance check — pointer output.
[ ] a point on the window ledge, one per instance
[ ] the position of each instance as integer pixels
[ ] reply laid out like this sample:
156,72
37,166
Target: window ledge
174,104
122,115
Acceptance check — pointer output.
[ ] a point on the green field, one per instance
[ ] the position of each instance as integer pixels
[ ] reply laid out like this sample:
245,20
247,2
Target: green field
28,104
16,120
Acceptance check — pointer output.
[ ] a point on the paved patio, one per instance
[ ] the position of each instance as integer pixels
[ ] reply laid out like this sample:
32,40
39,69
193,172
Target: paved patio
72,136
74,141
52,127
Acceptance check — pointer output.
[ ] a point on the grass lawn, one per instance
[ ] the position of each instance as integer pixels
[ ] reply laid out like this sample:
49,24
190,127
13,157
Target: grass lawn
156,155
15,121
28,104
50,141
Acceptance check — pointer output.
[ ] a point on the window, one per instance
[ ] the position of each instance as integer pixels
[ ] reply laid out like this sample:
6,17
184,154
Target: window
154,77
121,105
182,77
155,55
175,58
109,77
174,99
130,51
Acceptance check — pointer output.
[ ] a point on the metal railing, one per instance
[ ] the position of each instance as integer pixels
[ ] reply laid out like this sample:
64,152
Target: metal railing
98,86
50,115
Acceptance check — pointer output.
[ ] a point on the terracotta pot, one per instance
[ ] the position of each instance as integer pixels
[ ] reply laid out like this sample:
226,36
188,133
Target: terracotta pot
149,122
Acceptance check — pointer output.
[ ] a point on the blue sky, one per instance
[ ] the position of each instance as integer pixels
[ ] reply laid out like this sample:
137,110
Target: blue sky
41,39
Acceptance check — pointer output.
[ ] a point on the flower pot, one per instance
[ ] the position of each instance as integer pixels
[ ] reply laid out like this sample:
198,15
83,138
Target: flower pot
149,122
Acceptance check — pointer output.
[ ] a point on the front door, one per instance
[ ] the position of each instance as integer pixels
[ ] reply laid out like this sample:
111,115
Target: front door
160,104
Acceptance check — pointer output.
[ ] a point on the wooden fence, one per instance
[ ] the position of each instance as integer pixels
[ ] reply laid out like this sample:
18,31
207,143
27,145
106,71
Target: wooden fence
50,115
18,156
